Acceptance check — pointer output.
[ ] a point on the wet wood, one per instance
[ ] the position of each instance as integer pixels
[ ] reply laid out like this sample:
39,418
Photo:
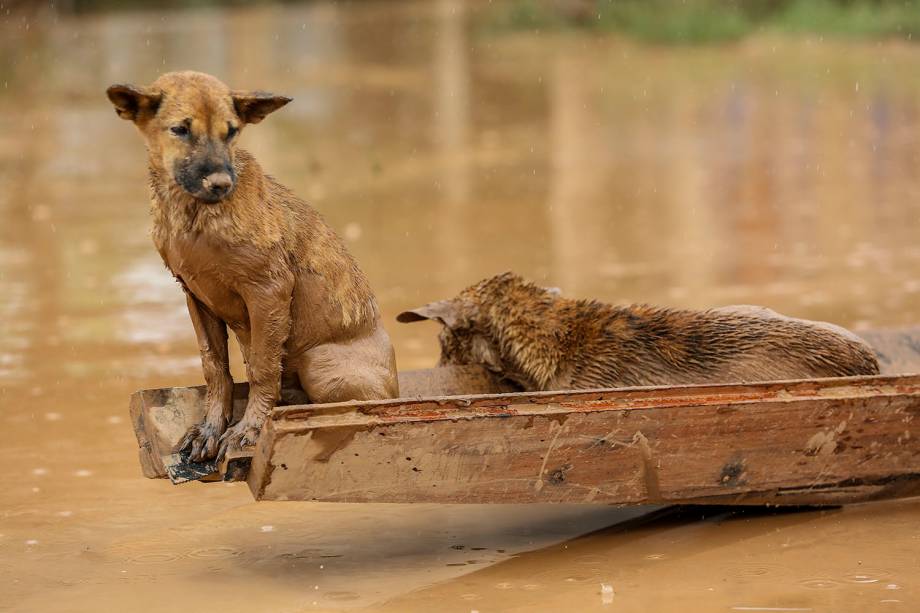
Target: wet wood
809,442
161,416
828,441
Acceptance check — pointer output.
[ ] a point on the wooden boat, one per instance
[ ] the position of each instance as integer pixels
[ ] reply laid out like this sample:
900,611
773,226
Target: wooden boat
459,436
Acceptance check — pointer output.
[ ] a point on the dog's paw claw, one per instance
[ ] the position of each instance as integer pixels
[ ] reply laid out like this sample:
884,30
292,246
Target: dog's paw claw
236,437
201,441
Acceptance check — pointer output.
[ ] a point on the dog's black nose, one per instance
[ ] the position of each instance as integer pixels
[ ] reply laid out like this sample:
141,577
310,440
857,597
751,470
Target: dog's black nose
218,183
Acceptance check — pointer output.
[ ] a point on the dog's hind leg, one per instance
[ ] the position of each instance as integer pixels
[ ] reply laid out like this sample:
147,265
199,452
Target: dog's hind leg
363,369
202,439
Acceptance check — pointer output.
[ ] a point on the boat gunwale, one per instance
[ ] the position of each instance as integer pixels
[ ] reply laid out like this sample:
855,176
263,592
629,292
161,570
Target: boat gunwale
626,398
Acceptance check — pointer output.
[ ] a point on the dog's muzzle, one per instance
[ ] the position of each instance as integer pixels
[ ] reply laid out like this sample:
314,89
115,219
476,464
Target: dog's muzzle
217,185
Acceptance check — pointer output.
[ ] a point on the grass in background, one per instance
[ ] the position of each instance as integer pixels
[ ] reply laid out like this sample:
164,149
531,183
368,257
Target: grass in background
862,18
700,21
678,22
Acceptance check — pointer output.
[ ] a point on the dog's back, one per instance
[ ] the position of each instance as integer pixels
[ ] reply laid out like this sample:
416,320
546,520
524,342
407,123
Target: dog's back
645,345
542,341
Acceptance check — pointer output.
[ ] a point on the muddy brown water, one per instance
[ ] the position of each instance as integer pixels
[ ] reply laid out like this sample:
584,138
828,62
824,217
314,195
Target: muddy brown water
777,172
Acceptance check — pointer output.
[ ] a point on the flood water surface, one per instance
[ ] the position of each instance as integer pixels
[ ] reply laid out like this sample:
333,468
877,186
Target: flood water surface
775,172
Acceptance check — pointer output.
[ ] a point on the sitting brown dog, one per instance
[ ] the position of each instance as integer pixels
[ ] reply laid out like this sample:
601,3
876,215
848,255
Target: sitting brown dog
540,341
253,257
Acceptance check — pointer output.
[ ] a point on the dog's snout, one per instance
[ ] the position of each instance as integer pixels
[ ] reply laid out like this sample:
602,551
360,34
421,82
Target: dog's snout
218,183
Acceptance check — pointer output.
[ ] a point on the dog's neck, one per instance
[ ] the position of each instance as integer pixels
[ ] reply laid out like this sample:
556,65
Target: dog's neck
529,334
174,211
253,216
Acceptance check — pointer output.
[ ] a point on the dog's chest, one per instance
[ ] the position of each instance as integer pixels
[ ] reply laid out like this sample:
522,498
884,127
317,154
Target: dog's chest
205,272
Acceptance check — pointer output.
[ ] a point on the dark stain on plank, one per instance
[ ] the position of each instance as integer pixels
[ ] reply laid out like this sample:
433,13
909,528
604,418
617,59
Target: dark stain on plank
732,474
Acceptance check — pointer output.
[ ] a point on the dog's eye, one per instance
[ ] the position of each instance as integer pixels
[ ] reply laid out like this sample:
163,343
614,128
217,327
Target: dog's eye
232,131
179,130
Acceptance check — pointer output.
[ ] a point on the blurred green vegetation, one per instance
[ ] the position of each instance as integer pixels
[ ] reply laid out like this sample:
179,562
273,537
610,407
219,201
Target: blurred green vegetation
659,21
91,6
699,21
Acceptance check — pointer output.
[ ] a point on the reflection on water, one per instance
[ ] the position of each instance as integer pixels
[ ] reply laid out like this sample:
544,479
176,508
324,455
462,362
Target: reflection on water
771,172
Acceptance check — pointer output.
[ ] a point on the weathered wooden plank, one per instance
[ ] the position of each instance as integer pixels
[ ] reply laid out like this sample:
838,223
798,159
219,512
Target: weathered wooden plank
660,444
808,442
161,416
151,463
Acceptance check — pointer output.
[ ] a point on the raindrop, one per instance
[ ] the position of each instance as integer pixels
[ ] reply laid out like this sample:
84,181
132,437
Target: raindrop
819,583
862,579
214,552
154,557
606,593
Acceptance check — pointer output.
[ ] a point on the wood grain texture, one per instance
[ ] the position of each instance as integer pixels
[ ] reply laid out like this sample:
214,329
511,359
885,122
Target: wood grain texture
808,442
161,416
826,441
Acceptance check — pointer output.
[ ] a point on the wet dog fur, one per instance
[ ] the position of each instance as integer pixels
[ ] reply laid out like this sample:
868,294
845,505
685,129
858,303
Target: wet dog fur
541,341
252,257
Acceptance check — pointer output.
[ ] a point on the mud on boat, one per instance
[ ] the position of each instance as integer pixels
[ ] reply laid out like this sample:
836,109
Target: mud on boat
460,436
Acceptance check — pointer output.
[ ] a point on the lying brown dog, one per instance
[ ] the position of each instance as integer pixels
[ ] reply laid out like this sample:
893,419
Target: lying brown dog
253,257
532,337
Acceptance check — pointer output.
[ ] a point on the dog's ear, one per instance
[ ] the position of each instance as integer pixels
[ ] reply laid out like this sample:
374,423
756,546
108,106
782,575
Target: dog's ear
444,311
133,102
253,107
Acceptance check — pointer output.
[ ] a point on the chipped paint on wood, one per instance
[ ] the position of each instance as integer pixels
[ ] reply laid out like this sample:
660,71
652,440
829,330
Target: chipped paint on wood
611,452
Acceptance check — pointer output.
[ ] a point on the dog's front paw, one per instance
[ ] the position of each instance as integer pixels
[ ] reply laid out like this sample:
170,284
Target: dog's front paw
201,441
239,435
